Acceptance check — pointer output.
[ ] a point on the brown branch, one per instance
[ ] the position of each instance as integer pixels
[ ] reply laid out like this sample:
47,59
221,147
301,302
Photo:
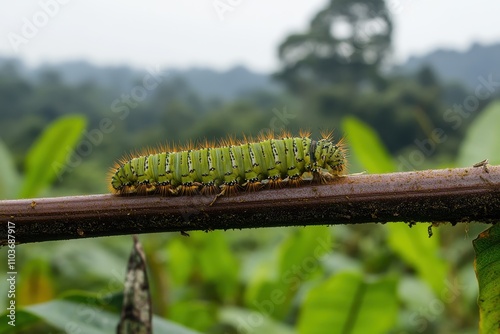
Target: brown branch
451,195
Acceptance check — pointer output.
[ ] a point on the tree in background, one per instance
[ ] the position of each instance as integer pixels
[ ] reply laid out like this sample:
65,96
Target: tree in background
335,69
345,44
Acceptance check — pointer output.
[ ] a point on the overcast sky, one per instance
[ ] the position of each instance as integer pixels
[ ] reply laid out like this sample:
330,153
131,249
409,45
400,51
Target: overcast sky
193,33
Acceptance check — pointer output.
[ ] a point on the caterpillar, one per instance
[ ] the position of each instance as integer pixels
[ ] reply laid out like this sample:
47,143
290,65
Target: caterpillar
248,164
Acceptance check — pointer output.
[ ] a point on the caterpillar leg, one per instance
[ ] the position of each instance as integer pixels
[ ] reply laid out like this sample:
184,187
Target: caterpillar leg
253,186
168,190
184,189
144,189
226,189
318,177
326,177
275,183
209,190
295,181
322,177
189,190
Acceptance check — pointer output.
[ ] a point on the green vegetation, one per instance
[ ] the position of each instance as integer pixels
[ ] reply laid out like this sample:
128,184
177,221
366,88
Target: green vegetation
345,279
487,266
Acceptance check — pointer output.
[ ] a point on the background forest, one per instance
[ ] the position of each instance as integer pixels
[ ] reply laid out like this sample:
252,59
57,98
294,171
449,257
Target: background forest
432,111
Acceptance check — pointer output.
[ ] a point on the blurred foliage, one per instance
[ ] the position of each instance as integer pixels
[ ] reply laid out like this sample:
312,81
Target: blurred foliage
356,305
277,280
78,313
48,157
487,266
36,285
9,178
366,145
483,138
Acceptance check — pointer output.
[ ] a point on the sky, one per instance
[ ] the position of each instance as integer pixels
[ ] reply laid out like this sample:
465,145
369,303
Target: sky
215,33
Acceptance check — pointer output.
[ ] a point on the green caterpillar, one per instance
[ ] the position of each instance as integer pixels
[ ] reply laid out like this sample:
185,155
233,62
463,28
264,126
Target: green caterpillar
234,165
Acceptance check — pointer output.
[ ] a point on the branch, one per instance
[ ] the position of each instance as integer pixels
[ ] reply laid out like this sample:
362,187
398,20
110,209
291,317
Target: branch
447,195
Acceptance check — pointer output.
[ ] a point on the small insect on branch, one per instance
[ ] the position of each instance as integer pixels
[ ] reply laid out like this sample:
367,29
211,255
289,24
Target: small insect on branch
447,195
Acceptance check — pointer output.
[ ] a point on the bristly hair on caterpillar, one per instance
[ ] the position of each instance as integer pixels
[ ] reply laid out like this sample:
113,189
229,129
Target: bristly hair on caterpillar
246,164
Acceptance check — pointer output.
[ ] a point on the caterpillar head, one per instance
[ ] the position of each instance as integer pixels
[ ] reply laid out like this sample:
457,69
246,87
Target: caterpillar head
330,155
116,183
119,183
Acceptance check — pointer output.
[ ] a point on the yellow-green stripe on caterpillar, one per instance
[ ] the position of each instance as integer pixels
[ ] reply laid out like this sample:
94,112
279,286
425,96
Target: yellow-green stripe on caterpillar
247,164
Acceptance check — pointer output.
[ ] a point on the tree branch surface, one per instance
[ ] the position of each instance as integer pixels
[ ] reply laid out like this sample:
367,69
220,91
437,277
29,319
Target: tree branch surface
446,195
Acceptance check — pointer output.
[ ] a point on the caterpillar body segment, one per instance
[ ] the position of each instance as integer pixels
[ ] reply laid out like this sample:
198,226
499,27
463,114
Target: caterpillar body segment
234,165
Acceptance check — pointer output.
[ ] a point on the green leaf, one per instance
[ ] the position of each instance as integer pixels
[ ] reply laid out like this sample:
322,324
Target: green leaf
70,317
199,315
9,178
47,156
487,266
483,138
366,145
303,248
347,303
299,261
180,262
217,262
420,252
263,281
99,264
276,281
24,320
252,322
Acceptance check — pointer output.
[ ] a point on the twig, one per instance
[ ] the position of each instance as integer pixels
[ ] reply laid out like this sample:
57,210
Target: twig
448,195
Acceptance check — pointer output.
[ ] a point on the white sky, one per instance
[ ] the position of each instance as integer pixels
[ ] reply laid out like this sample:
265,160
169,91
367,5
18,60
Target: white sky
190,32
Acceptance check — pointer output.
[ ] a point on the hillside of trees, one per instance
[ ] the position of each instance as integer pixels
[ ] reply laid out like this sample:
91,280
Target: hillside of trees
460,67
403,107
